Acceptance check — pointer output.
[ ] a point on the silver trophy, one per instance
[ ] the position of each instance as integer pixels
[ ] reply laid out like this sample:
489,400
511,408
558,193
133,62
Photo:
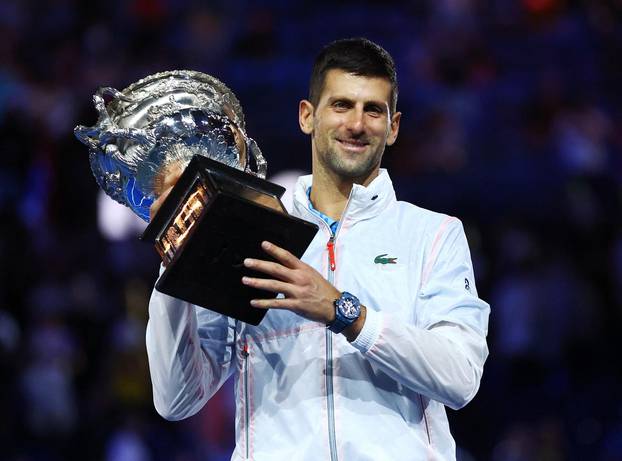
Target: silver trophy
161,122
220,209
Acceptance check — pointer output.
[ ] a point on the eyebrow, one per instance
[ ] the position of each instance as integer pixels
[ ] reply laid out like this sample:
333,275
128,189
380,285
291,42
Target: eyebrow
372,102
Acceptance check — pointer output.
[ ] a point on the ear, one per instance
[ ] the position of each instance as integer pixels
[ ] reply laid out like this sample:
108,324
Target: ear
305,116
394,128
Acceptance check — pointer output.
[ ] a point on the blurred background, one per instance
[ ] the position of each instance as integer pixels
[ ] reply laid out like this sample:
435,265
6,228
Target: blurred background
511,121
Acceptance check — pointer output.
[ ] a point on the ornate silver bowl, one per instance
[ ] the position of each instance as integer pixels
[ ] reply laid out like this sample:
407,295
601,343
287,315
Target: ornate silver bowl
159,123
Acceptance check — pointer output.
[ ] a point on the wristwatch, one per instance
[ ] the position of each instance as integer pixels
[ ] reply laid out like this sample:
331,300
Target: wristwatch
347,310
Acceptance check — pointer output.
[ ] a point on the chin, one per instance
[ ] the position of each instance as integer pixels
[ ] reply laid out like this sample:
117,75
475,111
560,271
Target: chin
354,173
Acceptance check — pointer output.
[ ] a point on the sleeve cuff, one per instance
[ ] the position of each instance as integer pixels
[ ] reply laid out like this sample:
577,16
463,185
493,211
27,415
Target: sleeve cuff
370,331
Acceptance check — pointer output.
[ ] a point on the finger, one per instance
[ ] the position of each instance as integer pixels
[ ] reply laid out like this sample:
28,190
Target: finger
275,286
171,179
155,206
281,255
167,176
270,268
278,303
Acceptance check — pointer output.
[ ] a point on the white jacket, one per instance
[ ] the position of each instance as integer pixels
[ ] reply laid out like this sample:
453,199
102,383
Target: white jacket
304,393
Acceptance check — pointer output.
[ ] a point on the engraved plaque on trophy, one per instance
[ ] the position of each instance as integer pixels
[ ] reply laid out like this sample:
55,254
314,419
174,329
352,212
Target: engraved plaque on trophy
220,209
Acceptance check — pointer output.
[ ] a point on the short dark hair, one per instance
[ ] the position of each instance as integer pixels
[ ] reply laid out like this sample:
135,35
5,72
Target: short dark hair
357,56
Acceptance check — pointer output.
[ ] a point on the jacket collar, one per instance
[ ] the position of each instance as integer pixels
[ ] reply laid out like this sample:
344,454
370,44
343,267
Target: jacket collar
363,203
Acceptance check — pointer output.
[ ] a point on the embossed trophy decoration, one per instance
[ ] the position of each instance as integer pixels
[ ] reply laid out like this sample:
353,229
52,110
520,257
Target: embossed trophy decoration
220,209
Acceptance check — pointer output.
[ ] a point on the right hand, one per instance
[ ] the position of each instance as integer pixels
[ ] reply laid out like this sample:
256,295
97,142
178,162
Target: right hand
164,183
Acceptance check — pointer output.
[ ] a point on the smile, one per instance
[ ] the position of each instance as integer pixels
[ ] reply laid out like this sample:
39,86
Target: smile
353,145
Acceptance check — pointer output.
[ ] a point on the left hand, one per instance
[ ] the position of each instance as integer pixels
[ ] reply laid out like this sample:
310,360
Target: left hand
164,182
306,292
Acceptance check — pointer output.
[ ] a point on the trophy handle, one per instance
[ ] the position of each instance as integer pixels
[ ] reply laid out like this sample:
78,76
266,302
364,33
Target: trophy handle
260,161
98,137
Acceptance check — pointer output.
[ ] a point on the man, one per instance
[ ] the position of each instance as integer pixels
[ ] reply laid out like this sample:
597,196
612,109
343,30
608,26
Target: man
377,328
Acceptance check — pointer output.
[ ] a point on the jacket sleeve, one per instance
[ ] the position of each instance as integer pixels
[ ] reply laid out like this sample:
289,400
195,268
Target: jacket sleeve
441,354
191,354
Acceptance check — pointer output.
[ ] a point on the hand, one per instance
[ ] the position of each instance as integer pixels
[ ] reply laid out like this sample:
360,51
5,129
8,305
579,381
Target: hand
164,182
307,293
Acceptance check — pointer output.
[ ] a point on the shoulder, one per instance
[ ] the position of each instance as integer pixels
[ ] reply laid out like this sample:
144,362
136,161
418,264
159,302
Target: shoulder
430,222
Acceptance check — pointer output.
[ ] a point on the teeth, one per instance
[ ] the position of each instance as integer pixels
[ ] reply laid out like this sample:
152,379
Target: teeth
354,143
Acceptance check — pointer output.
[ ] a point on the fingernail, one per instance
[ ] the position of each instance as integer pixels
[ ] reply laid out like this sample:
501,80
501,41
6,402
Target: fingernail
246,280
265,245
248,262
254,302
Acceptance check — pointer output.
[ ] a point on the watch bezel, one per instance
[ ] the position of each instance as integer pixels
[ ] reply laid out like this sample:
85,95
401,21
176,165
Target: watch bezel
342,321
356,306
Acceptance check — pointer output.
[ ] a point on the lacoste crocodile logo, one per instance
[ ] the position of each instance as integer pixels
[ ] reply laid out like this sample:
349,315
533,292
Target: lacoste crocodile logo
382,259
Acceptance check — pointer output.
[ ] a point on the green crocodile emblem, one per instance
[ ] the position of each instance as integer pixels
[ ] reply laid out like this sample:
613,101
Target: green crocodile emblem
382,259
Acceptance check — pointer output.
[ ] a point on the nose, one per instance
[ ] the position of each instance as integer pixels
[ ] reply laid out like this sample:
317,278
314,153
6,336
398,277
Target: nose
355,122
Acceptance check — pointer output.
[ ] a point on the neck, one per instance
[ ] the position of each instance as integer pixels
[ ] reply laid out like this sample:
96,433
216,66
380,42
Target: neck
330,193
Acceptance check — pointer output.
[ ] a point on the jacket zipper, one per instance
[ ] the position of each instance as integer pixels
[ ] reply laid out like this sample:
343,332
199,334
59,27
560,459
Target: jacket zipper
330,402
331,254
246,403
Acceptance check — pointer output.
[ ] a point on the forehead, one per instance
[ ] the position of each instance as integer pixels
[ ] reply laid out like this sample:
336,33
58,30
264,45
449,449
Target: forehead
341,84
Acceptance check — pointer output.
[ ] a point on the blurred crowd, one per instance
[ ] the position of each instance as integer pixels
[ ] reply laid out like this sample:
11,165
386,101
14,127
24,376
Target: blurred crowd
512,121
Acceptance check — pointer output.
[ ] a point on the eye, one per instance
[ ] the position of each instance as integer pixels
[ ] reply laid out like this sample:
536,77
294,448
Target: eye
340,105
374,110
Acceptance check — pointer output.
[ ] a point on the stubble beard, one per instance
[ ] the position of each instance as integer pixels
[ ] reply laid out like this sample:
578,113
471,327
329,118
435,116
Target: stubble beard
348,168
358,168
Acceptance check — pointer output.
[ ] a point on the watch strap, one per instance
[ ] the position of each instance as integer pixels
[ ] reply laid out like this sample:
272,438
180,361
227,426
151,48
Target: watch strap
338,325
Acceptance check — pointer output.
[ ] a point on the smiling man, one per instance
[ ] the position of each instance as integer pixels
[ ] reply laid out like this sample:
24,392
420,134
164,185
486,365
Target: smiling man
376,329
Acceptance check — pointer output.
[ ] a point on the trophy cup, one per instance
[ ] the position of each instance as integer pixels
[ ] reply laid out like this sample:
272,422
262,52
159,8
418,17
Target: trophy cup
220,209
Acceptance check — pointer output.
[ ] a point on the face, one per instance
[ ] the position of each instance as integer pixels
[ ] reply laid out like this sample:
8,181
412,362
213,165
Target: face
350,126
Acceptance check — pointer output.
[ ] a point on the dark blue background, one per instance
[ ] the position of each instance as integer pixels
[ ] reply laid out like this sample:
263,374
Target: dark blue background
511,121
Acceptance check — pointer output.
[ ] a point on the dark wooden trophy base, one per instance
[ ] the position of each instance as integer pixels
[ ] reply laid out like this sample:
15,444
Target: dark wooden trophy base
214,217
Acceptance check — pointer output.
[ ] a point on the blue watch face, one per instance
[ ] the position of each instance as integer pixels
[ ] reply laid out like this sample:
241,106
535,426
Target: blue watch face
349,307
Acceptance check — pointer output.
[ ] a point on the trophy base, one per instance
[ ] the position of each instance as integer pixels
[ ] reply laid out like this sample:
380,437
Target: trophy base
239,212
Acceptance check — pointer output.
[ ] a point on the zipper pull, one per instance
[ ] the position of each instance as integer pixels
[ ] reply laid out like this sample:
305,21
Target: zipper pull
245,350
331,253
